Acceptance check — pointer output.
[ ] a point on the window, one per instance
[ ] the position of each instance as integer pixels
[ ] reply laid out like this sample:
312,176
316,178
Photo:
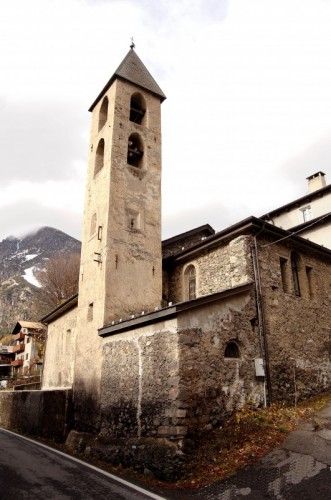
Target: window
103,114
99,156
134,220
26,356
190,282
306,213
90,312
284,274
232,350
137,109
295,274
135,151
310,281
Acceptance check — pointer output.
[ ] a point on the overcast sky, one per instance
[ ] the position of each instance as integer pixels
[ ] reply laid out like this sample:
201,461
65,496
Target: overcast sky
246,120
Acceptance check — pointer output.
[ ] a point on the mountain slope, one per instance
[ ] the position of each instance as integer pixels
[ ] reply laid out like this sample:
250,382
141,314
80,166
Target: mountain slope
20,258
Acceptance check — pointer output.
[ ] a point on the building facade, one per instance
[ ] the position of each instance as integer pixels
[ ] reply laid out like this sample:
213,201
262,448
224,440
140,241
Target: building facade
310,215
162,344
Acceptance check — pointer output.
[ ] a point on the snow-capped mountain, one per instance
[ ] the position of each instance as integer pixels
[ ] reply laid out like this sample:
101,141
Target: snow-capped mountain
20,259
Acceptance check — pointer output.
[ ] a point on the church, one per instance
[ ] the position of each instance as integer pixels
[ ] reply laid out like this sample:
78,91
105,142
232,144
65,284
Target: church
166,339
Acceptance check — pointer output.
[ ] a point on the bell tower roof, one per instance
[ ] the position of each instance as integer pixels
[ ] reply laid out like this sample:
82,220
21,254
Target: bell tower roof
133,70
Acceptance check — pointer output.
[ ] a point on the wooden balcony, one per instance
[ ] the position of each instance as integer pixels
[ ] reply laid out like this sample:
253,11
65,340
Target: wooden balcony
17,362
19,336
5,361
18,348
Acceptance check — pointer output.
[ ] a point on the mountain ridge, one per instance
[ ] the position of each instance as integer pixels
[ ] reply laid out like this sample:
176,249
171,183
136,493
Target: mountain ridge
20,259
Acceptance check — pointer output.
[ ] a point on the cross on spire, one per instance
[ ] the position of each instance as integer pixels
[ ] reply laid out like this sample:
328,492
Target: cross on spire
132,46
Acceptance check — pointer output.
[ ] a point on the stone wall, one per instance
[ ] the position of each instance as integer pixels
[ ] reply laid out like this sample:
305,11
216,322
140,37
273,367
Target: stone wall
298,328
139,381
181,242
172,378
60,352
217,269
213,385
37,413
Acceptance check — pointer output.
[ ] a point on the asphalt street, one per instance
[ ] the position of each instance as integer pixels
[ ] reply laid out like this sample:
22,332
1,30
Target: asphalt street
29,470
300,469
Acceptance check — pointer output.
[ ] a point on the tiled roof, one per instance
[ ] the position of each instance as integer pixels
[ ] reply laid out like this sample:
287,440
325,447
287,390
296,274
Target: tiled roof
133,70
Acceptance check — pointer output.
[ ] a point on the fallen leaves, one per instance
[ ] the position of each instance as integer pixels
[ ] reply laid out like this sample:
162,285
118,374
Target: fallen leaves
247,436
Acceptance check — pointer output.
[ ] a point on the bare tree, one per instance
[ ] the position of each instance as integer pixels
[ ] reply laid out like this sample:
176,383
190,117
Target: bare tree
59,279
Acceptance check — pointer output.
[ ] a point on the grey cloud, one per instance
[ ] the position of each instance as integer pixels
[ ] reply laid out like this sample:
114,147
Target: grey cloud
40,142
314,158
24,216
217,215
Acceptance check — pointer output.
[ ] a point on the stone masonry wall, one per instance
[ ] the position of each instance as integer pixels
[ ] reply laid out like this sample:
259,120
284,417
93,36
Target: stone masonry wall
140,382
211,385
160,383
298,328
224,267
37,413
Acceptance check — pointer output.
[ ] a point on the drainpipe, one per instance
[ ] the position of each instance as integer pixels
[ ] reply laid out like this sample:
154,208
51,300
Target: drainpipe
260,314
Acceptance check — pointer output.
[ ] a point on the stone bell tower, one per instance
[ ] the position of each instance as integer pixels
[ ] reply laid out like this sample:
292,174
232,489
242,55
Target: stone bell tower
121,260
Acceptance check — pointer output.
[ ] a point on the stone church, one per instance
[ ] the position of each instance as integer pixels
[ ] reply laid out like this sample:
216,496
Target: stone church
165,340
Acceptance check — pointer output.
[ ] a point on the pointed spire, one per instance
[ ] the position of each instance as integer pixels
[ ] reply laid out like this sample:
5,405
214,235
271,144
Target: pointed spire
133,70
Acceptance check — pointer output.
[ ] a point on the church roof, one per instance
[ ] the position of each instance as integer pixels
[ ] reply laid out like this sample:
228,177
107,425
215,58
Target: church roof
133,70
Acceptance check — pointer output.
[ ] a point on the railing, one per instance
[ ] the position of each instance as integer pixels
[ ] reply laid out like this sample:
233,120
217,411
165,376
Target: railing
18,336
18,348
5,361
17,362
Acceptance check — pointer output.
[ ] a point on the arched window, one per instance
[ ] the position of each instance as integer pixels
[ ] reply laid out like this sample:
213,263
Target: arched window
137,109
103,114
135,151
99,156
295,273
232,350
190,282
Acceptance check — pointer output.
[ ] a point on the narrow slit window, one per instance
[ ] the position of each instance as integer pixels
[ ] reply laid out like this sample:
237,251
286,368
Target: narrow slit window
90,312
284,274
295,274
310,281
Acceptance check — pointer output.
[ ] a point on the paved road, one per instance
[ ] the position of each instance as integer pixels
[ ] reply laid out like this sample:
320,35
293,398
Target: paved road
300,469
29,470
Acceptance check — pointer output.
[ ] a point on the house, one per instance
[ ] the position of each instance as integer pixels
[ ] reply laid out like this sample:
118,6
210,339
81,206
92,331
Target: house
310,215
6,367
29,337
164,342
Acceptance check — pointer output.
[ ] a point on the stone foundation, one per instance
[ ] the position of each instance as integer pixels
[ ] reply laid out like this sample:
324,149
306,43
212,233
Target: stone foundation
159,458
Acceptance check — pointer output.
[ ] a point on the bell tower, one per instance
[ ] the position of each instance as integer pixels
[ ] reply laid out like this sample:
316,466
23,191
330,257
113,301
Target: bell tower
121,259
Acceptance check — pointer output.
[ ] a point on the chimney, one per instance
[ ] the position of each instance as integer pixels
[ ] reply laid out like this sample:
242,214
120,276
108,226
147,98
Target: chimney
316,181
